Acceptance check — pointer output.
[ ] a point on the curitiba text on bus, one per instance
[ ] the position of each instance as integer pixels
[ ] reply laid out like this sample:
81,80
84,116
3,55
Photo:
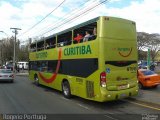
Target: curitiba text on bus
78,50
41,55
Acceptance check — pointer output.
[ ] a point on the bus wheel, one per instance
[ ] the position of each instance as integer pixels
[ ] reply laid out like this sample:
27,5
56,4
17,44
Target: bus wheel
66,89
36,80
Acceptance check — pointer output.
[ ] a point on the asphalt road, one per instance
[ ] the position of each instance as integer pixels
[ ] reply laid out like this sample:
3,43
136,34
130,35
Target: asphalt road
154,90
23,97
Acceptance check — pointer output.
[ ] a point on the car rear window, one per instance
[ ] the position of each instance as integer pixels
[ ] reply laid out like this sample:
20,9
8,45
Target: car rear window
148,72
5,71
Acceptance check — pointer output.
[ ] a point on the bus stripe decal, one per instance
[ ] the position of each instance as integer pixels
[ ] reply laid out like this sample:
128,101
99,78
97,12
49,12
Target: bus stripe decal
53,77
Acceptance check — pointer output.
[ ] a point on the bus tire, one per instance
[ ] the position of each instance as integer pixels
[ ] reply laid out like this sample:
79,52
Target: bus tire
66,89
36,80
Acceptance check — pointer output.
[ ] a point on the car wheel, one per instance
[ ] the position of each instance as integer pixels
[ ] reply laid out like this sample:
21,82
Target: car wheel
11,81
66,89
140,85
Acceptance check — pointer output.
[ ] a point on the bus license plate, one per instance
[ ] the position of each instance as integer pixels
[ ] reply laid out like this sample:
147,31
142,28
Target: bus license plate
122,87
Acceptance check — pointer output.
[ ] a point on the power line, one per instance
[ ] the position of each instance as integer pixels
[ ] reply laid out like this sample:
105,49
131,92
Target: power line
76,16
60,24
70,14
62,18
42,19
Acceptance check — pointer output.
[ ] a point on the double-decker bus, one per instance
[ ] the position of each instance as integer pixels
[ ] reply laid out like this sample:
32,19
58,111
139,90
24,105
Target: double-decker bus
100,67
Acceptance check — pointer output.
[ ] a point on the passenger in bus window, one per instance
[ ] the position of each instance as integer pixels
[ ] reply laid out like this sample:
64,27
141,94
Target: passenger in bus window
78,38
92,37
46,46
95,31
86,37
51,44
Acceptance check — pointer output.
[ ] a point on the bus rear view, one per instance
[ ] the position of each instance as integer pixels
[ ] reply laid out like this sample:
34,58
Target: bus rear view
118,58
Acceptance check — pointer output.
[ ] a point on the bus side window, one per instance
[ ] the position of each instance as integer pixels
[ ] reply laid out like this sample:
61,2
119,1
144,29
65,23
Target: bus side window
52,66
40,45
64,39
50,43
94,34
33,47
89,30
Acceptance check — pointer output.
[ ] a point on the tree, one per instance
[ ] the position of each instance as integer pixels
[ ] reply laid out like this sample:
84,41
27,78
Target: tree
23,54
7,51
154,45
148,41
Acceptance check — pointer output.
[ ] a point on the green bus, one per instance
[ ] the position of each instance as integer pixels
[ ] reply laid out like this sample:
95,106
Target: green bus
100,67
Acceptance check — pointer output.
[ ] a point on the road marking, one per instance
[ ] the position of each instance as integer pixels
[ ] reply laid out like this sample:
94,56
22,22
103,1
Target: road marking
147,106
65,98
83,106
110,117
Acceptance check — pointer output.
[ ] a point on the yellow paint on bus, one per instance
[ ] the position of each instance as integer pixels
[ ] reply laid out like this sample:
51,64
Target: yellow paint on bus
102,69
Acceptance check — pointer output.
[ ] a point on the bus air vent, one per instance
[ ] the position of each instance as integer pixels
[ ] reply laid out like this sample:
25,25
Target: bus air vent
90,89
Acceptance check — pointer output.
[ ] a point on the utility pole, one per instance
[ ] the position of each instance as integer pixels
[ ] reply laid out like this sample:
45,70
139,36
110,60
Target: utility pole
14,54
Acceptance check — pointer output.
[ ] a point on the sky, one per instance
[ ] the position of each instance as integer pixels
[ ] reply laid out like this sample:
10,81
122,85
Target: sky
25,14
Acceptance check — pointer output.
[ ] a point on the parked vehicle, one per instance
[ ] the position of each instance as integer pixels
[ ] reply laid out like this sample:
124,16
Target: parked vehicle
142,65
148,78
6,75
9,66
22,65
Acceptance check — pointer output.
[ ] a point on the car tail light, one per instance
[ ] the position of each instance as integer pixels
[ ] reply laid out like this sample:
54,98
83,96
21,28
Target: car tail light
103,79
147,79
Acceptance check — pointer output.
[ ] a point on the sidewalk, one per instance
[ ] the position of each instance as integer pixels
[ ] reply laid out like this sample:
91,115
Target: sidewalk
22,73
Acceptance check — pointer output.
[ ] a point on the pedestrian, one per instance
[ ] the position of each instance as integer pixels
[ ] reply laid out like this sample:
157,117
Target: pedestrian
22,67
17,67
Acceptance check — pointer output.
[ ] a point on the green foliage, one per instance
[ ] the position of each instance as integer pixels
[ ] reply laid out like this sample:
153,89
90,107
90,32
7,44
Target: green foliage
148,41
7,48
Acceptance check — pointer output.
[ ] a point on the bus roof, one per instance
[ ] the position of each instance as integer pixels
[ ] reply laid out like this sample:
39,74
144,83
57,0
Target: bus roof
77,26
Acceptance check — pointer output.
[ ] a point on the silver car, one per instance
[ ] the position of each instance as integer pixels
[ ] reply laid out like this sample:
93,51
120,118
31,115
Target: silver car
6,75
